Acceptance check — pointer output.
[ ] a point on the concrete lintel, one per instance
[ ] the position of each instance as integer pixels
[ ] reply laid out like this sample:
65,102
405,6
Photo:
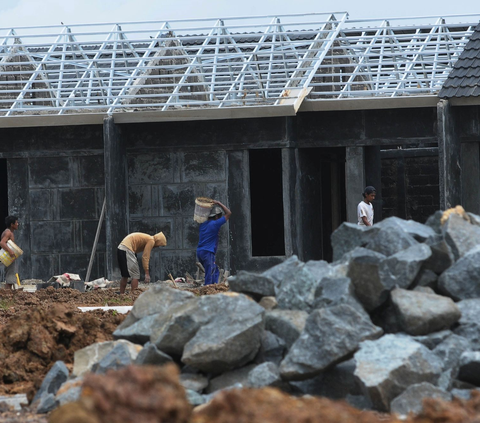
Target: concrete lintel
51,120
368,103
464,101
149,116
204,114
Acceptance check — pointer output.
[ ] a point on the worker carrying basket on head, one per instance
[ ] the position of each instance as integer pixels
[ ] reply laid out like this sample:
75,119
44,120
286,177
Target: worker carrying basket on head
208,240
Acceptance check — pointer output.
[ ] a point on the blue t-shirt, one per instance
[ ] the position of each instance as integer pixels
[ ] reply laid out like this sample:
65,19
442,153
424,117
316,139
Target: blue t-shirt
208,239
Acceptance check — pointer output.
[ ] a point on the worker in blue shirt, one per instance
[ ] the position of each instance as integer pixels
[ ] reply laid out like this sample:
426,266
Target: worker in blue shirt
208,241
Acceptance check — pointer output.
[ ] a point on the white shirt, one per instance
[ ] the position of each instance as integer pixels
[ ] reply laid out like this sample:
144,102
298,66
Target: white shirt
366,210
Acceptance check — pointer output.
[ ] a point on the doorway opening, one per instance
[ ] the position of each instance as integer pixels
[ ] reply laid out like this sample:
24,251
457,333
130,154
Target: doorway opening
323,199
266,197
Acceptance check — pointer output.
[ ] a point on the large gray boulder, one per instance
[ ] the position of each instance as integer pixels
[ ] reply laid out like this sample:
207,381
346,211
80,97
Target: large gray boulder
417,230
401,269
421,313
265,374
432,340
231,339
284,271
411,400
425,279
320,345
173,330
194,381
286,324
151,355
442,257
363,271
450,350
461,281
272,348
336,382
333,291
460,235
140,331
470,310
230,378
470,331
298,291
70,391
469,323
86,358
348,236
469,367
157,300
252,284
121,355
387,366
434,221
390,240
44,399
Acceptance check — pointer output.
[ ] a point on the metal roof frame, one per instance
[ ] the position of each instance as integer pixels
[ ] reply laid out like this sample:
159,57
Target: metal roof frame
236,63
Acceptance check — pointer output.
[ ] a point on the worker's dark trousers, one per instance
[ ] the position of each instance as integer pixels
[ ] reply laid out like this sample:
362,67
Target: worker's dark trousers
207,259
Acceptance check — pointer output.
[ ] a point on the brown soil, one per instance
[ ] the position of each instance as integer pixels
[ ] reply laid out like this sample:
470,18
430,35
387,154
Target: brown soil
154,395
209,289
37,329
269,405
146,394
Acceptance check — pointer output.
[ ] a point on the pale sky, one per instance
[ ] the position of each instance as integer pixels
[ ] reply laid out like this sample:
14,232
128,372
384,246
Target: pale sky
16,13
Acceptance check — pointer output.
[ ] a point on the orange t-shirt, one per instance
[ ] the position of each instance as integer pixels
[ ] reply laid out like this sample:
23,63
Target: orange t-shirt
138,242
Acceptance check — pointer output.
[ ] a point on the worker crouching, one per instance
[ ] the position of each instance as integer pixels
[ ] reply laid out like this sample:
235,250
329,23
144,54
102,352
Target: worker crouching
132,244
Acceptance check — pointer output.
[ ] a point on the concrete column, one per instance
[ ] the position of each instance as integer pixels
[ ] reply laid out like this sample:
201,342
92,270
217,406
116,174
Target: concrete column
449,157
291,202
116,187
471,177
354,180
373,176
239,203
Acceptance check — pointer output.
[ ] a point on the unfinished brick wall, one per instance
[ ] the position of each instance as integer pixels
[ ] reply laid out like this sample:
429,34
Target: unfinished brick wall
162,188
410,187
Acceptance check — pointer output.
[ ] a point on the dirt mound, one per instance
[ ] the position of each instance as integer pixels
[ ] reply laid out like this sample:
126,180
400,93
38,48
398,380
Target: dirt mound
14,302
270,405
457,411
32,340
146,394
209,289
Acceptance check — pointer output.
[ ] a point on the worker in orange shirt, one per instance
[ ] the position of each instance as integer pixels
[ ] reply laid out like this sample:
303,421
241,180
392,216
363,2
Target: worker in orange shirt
137,242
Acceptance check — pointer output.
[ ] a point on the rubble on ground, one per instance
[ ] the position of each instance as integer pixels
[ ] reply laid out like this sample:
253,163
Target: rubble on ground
388,324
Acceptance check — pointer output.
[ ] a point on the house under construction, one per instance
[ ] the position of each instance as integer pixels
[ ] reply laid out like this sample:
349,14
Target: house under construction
283,118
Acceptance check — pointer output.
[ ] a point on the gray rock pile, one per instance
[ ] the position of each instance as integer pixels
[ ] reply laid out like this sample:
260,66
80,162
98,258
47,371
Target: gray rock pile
394,319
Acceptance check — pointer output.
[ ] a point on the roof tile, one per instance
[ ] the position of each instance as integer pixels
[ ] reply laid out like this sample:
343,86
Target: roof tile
464,79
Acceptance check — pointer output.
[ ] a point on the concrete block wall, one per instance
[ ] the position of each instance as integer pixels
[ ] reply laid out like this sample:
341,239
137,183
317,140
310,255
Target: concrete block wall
66,196
162,187
410,187
423,192
55,179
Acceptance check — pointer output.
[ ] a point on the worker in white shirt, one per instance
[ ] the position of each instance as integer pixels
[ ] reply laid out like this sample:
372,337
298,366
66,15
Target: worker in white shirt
365,207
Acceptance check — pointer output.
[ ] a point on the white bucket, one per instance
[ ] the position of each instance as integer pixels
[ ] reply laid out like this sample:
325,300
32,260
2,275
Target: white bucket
203,205
5,257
